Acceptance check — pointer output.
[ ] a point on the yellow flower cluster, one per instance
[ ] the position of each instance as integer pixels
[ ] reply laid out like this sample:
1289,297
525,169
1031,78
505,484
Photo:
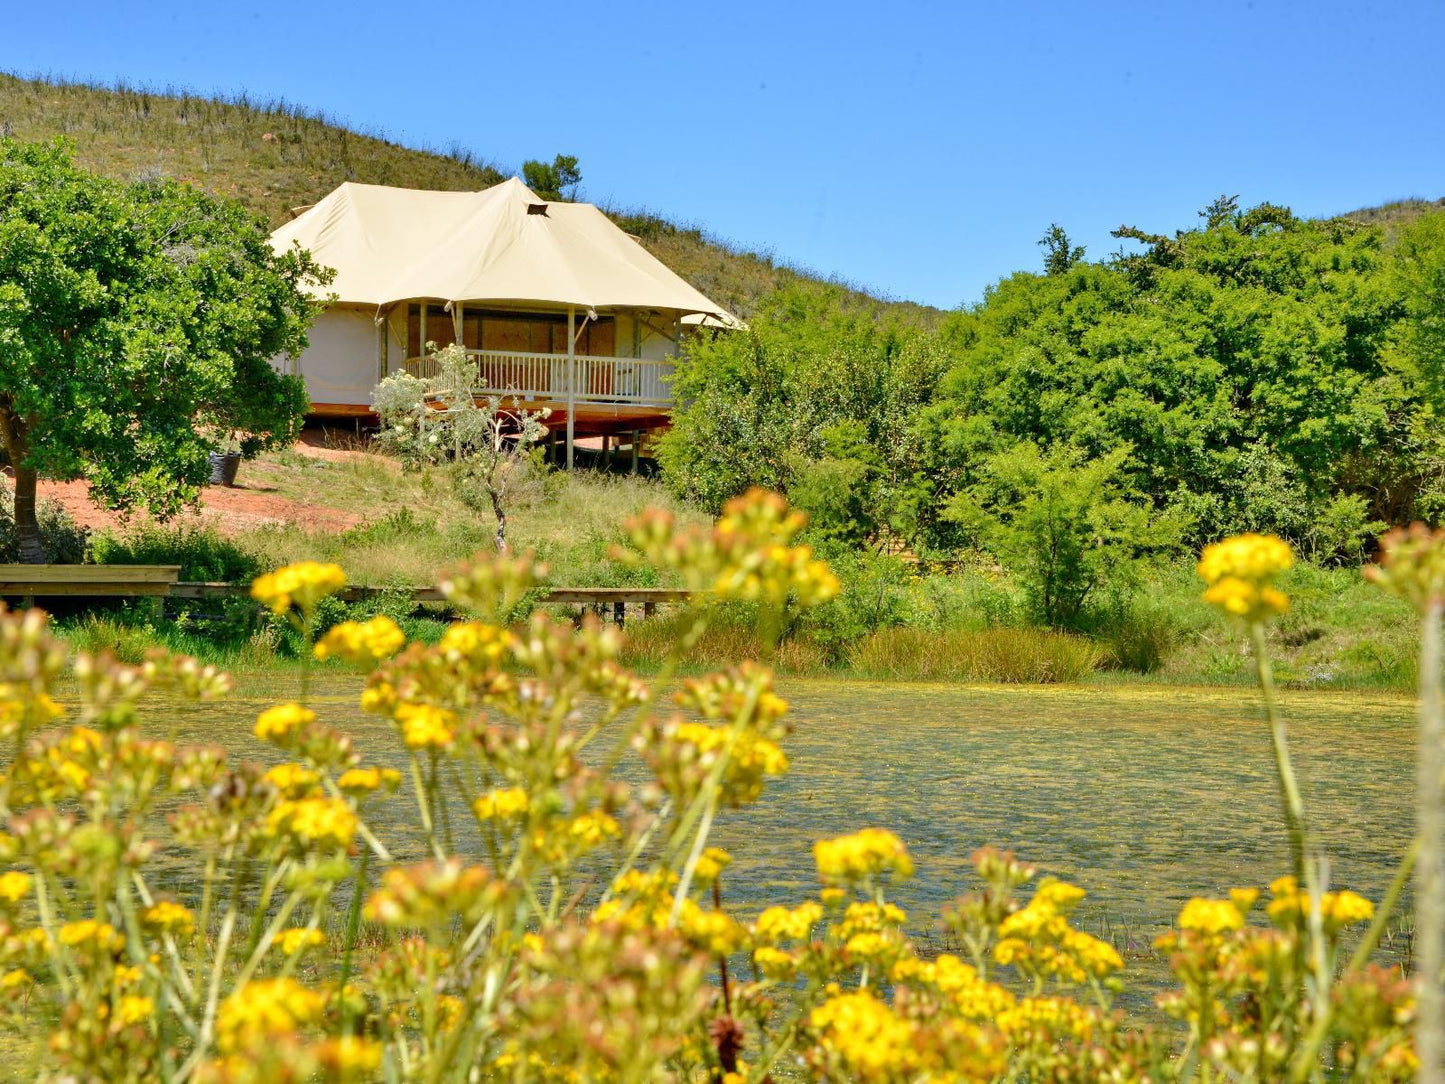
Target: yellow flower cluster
1208,916
710,865
778,924
476,642
170,917
302,585
283,722
1337,909
292,780
501,804
298,939
865,854
1239,572
753,757
424,726
366,780
15,885
1038,939
959,984
91,933
361,643
265,1009
327,823
863,1039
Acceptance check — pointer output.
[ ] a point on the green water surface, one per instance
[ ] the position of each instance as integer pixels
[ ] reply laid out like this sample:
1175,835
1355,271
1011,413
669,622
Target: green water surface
1144,796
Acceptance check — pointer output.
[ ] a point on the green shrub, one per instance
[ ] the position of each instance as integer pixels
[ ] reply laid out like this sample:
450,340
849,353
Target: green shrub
64,539
200,551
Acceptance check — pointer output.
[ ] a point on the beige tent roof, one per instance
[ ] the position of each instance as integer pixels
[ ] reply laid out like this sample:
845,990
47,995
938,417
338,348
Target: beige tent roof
399,244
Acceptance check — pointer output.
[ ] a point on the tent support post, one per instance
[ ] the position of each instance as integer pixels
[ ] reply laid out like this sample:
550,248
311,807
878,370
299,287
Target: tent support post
382,343
571,379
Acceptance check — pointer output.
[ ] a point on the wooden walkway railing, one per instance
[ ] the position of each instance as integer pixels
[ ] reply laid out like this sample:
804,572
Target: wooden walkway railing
112,581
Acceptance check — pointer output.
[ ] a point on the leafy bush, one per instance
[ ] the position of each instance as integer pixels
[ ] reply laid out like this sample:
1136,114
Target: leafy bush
1062,526
203,554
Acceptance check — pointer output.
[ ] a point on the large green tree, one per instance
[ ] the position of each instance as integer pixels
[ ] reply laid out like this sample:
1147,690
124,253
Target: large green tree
137,326
1251,368
814,399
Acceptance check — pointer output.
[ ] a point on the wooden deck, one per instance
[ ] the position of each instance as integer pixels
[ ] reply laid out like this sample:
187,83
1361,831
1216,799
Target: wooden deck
163,581
88,580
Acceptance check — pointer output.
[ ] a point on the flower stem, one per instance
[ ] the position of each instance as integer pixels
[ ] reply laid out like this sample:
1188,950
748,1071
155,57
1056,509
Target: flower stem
1430,869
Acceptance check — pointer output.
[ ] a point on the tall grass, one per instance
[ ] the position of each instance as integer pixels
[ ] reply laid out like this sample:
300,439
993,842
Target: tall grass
725,644
1021,656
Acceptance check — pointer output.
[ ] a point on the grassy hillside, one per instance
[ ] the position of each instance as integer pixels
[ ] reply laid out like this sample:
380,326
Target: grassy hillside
274,156
1391,216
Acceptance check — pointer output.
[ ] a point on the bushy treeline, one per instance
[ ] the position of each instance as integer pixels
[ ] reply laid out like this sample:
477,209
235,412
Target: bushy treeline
1261,372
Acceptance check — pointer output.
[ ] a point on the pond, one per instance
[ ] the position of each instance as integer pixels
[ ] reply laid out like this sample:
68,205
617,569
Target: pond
1143,796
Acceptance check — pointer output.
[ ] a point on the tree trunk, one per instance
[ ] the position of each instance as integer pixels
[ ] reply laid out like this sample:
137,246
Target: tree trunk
501,514
27,527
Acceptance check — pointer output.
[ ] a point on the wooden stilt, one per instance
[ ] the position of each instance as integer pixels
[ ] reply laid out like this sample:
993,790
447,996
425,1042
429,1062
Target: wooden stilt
636,452
571,380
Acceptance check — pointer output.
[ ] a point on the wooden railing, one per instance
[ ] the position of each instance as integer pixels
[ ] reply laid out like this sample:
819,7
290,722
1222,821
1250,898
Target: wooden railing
600,380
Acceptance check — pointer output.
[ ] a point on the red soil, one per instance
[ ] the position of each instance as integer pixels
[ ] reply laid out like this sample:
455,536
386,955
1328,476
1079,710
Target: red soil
249,503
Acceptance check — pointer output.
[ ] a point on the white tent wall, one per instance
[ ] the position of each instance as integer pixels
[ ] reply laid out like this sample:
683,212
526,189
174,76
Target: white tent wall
646,337
340,365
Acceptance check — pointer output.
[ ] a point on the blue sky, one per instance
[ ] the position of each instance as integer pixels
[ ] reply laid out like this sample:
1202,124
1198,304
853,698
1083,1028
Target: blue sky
918,150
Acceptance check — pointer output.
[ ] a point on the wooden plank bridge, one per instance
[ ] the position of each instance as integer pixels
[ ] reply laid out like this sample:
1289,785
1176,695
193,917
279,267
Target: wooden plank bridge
163,581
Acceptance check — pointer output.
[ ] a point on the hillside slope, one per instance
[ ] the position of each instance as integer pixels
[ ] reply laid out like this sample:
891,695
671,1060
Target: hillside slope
274,156
1391,216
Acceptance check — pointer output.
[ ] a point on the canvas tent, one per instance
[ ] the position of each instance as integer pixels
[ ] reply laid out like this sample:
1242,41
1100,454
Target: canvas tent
559,305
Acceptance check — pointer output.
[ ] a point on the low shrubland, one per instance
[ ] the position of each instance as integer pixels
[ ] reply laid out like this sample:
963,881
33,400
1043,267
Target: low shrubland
896,618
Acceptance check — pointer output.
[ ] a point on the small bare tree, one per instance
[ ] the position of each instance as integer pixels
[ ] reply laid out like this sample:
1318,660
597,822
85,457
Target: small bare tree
445,420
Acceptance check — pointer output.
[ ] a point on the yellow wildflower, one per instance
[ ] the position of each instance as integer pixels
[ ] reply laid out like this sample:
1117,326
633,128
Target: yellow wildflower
361,643
169,917
1239,571
303,585
1210,916
134,1009
15,885
15,978
862,854
292,780
1253,558
366,780
501,804
282,722
426,727
379,697
781,924
475,641
88,931
324,822
299,939
710,865
773,963
863,1039
1337,909
348,1058
265,1009
713,932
